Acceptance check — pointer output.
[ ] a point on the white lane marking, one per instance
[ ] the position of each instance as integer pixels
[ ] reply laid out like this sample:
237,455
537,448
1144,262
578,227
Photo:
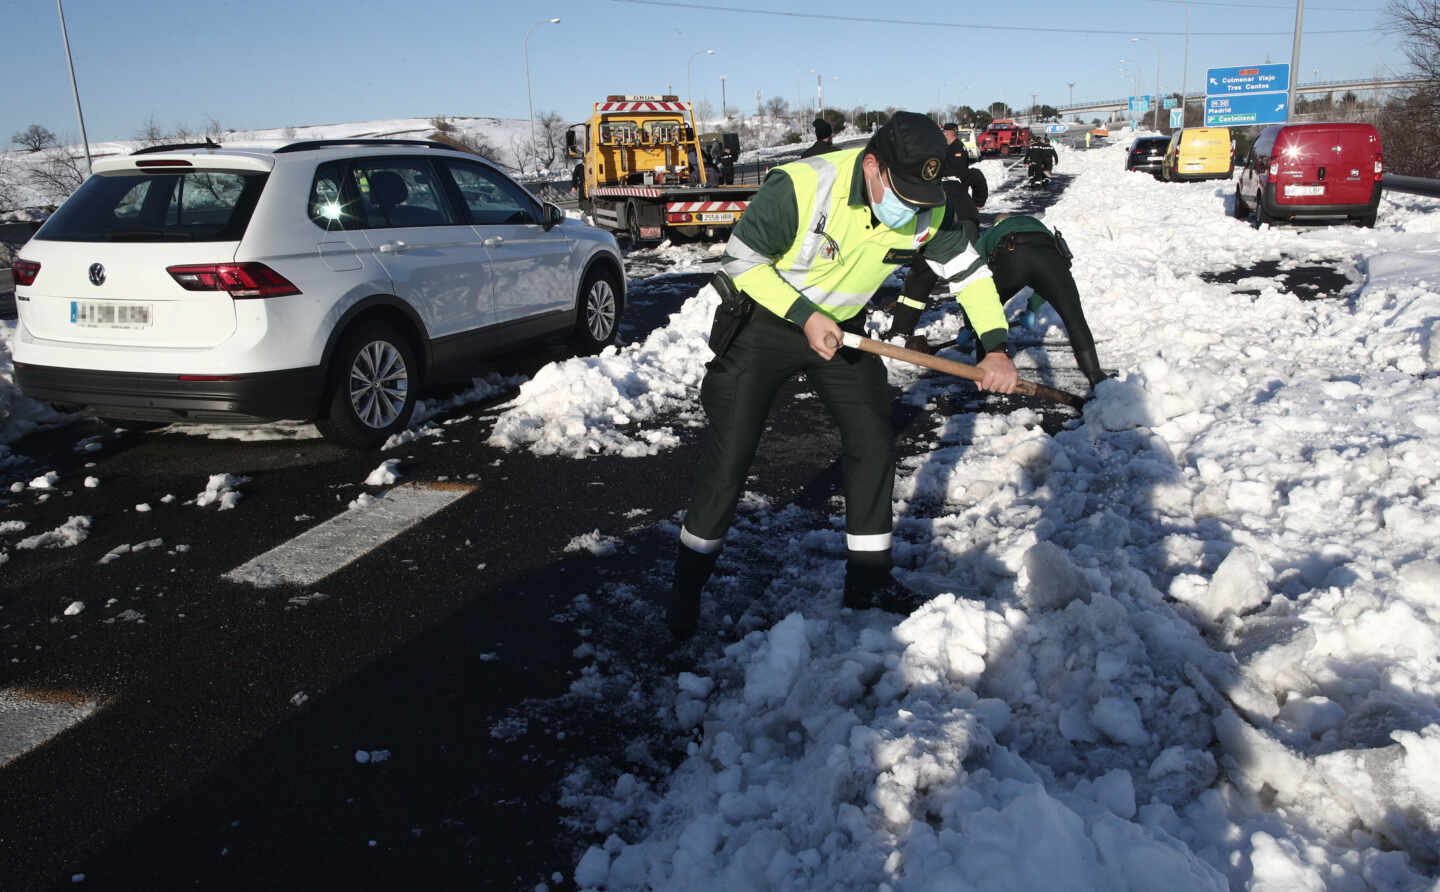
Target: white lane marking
324,549
30,717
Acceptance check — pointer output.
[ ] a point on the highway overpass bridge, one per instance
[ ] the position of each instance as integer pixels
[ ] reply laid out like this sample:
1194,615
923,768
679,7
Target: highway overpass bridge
1110,106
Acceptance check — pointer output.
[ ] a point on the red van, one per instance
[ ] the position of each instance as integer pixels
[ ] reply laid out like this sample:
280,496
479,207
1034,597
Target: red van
1311,171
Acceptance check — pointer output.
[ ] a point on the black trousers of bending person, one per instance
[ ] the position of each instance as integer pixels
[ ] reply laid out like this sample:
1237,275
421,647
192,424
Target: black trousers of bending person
738,393
1030,259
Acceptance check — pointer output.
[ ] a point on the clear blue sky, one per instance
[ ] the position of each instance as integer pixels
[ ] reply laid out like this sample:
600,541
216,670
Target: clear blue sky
274,64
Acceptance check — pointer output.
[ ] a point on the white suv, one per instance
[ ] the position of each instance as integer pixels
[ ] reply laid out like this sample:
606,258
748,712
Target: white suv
318,280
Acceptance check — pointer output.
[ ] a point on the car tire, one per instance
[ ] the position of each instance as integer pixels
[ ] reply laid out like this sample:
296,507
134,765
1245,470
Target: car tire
1261,217
597,316
374,378
1367,221
1242,210
632,224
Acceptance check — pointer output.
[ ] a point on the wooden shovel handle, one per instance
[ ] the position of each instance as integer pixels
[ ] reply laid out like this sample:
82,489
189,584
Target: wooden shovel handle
950,367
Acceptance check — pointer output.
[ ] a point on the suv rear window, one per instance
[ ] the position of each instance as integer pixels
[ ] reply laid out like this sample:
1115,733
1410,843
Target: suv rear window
193,206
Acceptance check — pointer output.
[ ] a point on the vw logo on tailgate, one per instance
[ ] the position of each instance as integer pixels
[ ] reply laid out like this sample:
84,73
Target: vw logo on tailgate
97,274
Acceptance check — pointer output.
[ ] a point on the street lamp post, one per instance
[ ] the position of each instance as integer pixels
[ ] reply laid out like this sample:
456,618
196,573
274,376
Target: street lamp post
1071,85
528,98
724,109
1294,59
1155,118
689,91
64,36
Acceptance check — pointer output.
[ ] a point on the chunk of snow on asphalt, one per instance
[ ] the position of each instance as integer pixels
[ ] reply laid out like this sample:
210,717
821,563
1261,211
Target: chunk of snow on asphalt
92,482
120,550
594,542
75,608
220,488
69,534
387,473
12,526
45,481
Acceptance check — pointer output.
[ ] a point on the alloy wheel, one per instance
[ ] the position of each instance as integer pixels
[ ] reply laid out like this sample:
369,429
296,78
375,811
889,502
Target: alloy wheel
379,384
600,310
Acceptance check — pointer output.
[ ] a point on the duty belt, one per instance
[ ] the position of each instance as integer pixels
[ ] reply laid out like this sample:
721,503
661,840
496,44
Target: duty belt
1010,241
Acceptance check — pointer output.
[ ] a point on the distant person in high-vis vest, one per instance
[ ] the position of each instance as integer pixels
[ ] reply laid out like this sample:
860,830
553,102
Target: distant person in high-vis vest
813,246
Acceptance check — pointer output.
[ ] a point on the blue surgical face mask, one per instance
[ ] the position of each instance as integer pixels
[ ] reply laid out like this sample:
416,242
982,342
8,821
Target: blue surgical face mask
893,212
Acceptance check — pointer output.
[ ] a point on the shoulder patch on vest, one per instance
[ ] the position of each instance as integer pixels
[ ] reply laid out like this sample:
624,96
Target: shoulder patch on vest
899,255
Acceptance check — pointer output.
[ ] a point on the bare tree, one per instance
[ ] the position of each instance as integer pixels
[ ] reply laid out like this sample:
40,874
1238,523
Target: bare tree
472,144
1410,127
58,175
9,187
151,133
34,138
1418,23
442,124
777,106
213,130
549,137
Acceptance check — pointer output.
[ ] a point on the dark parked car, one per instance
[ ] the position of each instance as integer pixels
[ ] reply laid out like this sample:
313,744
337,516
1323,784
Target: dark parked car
1312,171
1147,153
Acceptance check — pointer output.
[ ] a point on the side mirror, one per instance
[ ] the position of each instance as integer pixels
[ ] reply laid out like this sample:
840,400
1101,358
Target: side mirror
553,216
570,149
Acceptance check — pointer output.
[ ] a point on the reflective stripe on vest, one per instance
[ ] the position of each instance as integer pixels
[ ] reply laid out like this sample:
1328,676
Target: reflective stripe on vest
835,245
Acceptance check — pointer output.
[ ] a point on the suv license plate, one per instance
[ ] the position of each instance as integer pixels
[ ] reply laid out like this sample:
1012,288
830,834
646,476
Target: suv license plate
108,314
1296,191
715,218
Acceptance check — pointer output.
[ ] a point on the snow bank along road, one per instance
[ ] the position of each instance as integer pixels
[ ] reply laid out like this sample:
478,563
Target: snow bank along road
1188,640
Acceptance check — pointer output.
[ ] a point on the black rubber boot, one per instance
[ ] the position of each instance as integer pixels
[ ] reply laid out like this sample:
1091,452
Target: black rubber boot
868,583
682,610
1089,364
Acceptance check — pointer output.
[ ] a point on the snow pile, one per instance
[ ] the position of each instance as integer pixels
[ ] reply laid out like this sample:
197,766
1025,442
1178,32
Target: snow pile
600,404
1191,642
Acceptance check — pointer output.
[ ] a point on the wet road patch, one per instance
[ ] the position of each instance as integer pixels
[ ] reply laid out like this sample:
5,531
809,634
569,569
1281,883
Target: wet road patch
1310,279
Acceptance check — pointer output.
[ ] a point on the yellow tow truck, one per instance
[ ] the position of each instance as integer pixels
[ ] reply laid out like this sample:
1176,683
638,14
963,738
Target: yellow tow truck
642,172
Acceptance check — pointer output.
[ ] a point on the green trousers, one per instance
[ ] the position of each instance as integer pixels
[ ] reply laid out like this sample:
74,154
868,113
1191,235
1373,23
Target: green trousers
738,393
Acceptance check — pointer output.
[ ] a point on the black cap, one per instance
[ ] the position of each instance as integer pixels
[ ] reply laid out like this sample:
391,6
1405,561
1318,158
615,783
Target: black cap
912,147
951,126
822,128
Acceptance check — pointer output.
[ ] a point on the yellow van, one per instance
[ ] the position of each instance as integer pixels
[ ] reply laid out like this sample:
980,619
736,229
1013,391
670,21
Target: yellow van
1199,153
967,139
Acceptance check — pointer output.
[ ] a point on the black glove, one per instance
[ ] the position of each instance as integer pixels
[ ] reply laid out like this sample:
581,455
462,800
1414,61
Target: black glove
903,324
919,343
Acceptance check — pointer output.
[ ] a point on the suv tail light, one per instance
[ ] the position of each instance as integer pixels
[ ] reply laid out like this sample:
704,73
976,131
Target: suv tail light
242,280
1274,171
26,271
1379,167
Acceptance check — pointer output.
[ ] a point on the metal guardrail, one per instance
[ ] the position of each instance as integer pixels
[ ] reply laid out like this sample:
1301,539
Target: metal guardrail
1413,185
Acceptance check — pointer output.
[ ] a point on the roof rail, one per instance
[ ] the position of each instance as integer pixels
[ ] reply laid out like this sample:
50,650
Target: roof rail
308,144
175,146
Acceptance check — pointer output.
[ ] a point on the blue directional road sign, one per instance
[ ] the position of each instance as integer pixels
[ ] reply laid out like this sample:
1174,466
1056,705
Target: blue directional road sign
1056,128
1139,104
1177,117
1247,79
1242,110
1171,102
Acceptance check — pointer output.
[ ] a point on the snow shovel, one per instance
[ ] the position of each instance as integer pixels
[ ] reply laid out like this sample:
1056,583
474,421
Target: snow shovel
950,367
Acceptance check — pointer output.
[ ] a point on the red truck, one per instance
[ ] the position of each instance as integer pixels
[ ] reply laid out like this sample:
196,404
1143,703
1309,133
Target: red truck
1004,137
